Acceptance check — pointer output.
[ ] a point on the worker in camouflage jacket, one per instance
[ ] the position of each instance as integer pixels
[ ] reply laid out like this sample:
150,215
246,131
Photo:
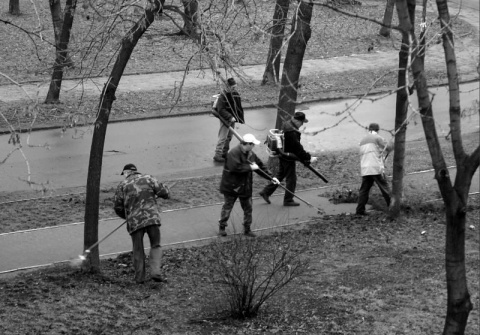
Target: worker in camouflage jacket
135,201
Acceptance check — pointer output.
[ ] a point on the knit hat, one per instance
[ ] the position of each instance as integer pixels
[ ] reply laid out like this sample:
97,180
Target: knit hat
374,127
231,82
130,167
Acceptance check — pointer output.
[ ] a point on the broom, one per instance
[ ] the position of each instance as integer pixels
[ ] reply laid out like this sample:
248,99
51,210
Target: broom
77,262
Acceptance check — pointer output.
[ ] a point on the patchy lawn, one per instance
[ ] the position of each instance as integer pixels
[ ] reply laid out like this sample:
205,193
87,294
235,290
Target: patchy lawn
366,276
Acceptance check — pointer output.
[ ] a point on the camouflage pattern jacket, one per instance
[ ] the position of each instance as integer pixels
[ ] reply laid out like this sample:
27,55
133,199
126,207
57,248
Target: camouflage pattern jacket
135,201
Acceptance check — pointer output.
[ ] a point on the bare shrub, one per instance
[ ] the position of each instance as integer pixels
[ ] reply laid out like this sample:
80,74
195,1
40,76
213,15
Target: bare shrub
250,271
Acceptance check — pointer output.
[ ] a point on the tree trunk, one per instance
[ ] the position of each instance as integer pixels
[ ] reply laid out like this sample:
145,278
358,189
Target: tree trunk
100,129
272,68
454,197
387,18
191,22
57,20
401,111
301,32
14,7
53,94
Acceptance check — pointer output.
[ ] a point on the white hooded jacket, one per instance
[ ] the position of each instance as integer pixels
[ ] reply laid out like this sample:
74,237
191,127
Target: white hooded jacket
373,149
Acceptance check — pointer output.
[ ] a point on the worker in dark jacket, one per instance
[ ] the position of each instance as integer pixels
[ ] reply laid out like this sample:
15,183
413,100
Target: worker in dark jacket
135,201
237,180
229,108
287,167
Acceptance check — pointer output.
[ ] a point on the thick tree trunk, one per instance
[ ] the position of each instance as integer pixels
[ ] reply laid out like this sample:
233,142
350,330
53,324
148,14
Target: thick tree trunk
454,197
387,19
53,94
14,7
458,301
301,32
401,111
272,68
57,20
191,25
100,129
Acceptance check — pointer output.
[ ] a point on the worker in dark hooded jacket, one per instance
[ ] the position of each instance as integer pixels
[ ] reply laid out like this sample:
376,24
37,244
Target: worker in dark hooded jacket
229,108
135,201
237,182
287,168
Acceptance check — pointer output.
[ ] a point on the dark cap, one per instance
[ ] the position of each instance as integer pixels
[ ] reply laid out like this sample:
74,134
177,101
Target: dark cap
300,116
130,167
374,127
231,82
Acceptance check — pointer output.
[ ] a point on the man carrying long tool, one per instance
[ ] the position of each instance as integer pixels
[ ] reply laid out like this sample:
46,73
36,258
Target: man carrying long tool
135,201
287,169
237,181
230,110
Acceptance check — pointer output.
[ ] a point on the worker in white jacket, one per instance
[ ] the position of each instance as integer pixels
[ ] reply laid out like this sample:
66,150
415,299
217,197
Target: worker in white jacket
373,150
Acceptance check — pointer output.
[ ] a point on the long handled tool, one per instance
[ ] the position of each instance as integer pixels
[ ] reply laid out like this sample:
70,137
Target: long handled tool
319,210
79,260
290,155
237,135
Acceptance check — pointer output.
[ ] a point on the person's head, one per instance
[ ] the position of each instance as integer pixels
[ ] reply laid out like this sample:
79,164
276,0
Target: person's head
299,118
374,127
248,142
231,84
128,169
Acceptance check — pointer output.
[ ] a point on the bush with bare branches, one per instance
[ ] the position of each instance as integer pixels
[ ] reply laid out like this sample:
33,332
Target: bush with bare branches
250,271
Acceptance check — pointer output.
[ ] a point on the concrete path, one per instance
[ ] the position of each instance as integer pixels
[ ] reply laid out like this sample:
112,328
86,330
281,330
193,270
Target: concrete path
37,248
182,227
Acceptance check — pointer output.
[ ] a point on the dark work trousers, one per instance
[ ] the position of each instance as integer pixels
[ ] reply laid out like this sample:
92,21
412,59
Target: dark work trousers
153,233
229,201
367,183
287,171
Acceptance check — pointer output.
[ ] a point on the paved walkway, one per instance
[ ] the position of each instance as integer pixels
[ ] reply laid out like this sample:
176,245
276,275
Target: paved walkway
181,227
42,247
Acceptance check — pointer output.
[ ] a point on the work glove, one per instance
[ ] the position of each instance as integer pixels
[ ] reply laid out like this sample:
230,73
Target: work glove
313,159
254,166
275,181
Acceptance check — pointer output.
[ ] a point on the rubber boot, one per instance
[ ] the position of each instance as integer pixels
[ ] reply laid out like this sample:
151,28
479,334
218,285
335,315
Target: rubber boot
156,263
248,232
221,231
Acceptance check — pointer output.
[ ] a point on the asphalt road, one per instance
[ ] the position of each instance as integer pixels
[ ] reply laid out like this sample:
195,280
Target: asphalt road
184,146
